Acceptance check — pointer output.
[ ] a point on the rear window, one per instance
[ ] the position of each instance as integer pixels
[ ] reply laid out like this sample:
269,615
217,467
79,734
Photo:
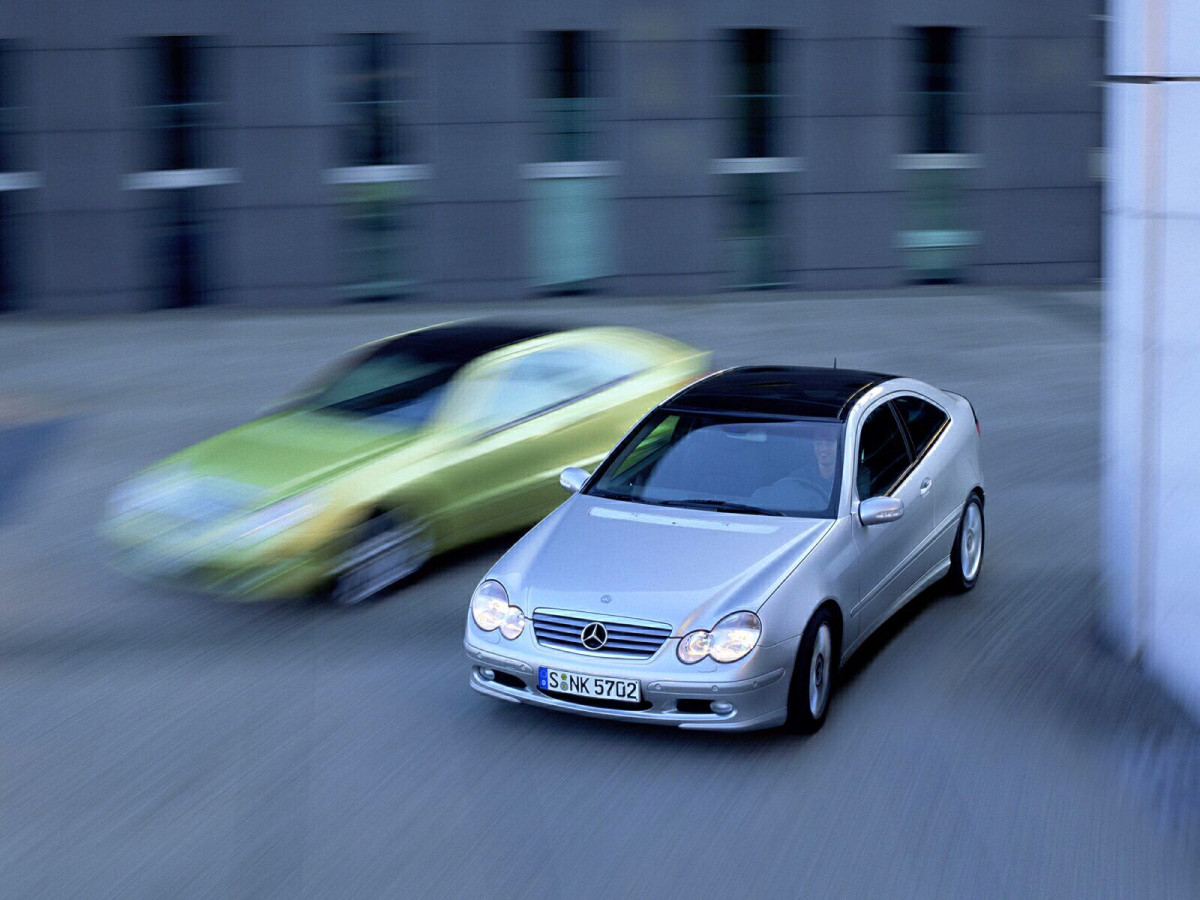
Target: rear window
923,420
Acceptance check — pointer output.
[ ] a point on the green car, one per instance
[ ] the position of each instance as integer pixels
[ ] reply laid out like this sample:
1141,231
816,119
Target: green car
416,444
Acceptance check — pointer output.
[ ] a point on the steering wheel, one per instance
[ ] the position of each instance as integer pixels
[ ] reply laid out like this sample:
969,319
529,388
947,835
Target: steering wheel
803,490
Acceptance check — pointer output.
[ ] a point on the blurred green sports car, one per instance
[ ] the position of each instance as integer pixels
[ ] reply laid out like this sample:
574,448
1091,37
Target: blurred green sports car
416,444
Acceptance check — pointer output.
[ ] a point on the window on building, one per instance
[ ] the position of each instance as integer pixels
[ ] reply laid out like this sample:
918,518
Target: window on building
11,161
9,109
182,244
937,89
8,288
752,242
569,186
935,242
181,102
375,93
568,95
753,89
374,88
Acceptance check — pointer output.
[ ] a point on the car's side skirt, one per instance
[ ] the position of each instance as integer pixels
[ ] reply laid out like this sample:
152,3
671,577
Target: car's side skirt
937,572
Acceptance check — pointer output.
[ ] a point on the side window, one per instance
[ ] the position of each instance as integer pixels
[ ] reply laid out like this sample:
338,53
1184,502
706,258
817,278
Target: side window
517,390
924,421
581,369
563,374
544,379
882,454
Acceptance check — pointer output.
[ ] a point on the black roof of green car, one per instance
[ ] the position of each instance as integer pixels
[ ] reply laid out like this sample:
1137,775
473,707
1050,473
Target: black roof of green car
807,392
458,343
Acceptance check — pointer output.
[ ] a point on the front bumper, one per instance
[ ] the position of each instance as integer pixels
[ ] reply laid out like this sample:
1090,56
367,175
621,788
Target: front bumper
200,567
673,694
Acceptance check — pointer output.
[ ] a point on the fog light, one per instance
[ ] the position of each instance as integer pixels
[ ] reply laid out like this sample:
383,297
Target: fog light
487,674
722,707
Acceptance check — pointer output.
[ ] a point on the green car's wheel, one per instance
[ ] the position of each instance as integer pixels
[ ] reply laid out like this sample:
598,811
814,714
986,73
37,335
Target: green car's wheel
382,551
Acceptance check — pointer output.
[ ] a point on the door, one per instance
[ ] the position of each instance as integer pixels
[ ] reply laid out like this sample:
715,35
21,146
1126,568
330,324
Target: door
527,422
938,500
881,463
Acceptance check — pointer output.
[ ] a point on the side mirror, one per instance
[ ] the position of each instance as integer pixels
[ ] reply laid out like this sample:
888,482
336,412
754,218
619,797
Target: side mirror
878,510
573,479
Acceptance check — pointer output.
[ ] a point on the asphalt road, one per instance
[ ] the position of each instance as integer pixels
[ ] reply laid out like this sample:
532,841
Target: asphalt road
156,744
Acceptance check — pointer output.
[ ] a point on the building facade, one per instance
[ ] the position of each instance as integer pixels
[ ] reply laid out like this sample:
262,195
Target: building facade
172,154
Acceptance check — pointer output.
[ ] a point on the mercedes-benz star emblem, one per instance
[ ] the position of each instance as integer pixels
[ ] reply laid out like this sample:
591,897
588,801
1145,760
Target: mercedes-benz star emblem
594,635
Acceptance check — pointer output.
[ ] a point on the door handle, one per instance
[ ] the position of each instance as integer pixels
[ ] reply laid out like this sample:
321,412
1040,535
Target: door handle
926,485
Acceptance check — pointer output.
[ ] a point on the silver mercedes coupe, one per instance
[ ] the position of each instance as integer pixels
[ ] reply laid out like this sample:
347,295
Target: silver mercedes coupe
734,549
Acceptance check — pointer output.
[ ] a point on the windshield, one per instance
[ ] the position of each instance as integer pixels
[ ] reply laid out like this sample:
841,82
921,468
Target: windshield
389,382
728,463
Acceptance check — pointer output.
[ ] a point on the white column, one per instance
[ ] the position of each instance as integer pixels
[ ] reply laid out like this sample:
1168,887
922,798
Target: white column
1151,486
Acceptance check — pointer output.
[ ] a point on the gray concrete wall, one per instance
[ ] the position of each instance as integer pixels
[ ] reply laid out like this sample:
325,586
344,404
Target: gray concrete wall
1032,113
1152,362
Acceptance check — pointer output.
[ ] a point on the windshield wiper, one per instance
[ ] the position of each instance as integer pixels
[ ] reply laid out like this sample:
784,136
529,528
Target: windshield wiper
612,495
720,506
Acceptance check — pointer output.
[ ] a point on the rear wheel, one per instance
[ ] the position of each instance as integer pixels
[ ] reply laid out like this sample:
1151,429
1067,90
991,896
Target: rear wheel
383,551
966,558
812,678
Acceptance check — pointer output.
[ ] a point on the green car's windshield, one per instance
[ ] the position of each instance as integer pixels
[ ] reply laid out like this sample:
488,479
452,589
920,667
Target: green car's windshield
401,380
391,383
727,463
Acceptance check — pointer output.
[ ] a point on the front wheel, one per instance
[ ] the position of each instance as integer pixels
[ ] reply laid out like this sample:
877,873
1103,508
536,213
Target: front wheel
966,558
812,678
382,551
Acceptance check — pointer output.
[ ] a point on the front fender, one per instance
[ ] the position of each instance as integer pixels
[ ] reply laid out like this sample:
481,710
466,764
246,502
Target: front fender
829,572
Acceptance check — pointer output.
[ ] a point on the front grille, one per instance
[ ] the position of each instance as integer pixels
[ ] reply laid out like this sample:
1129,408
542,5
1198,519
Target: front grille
563,631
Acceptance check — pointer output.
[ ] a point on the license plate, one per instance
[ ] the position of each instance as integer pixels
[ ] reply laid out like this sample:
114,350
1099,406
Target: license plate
597,687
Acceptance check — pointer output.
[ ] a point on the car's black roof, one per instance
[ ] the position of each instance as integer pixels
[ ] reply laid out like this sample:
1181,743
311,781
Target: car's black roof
457,343
799,391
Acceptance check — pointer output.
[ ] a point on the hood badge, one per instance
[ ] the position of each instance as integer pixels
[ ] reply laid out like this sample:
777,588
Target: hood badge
607,598
593,636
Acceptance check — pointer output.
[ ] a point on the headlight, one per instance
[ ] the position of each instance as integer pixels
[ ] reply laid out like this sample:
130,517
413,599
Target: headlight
128,498
278,517
732,638
491,610
735,636
694,647
147,491
513,624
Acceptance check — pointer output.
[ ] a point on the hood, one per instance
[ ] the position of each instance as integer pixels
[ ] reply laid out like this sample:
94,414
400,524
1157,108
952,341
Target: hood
289,451
680,566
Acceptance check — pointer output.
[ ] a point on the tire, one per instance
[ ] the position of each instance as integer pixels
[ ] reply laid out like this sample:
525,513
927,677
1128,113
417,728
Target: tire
813,677
383,551
966,557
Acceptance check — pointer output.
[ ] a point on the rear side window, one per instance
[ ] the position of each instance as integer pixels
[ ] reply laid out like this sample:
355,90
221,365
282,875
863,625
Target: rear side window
924,421
575,371
545,379
882,454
